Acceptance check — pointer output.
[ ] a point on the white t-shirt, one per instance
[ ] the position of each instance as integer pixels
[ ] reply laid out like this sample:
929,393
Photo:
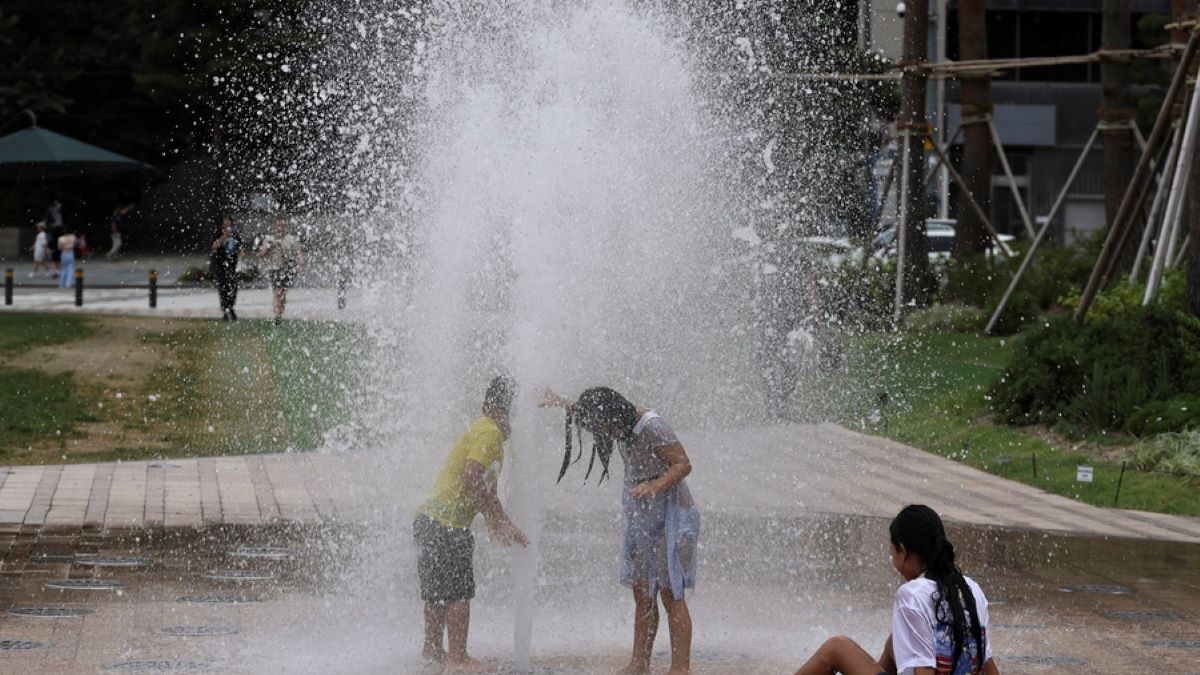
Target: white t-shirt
919,640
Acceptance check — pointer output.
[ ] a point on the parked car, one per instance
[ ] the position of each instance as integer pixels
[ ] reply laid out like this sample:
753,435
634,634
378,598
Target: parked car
940,233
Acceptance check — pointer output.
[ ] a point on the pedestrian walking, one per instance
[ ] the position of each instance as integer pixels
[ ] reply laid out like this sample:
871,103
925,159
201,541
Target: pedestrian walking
224,254
116,223
41,250
284,257
66,250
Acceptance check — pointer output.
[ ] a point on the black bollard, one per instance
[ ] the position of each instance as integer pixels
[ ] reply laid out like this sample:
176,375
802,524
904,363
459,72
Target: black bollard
153,289
8,286
79,288
1034,456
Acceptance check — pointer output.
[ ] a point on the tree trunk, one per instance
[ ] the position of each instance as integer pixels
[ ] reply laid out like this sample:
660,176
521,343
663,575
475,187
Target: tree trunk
912,117
971,235
1119,157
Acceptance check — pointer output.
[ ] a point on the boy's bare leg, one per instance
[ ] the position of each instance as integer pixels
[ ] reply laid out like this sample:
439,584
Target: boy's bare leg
645,626
679,622
840,655
435,629
458,623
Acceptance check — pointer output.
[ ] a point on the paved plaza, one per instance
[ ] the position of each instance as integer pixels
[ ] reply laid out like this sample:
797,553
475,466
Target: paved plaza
301,563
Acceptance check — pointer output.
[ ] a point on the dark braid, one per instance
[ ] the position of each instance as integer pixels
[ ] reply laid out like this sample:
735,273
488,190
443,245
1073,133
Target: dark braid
608,416
920,530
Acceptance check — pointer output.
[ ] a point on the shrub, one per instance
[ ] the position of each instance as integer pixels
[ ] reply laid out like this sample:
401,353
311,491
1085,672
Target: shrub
1181,413
947,318
1097,375
1177,453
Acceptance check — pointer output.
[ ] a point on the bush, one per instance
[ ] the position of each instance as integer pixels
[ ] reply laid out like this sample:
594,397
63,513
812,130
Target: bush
1169,453
1181,413
1054,273
1096,376
1126,295
948,318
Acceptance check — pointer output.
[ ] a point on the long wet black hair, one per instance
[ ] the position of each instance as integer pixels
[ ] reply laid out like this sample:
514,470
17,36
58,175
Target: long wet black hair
608,416
920,530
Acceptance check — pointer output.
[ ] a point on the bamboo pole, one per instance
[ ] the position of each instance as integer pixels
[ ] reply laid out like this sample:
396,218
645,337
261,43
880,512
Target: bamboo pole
938,164
1152,220
1012,183
962,184
1187,148
1108,252
1033,246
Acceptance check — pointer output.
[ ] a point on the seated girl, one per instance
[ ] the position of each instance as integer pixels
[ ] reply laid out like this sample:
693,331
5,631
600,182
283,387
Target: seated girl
939,616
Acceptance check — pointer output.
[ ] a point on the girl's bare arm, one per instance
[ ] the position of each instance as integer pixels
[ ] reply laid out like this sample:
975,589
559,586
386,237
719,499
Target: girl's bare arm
679,466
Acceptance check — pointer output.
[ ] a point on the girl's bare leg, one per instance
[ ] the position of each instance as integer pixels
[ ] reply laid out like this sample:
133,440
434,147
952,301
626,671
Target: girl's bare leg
887,661
435,628
645,626
679,622
840,655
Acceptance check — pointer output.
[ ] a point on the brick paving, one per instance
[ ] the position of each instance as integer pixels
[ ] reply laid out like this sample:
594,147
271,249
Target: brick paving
793,553
839,472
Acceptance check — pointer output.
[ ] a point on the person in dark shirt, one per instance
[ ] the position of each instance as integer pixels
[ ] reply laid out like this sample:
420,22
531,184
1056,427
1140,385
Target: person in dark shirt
224,252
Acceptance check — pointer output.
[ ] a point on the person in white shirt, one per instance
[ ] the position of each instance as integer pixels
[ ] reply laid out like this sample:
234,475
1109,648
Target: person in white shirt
41,250
939,616
284,259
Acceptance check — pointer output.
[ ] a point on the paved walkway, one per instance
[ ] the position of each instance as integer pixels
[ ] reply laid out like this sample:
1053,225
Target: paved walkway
783,471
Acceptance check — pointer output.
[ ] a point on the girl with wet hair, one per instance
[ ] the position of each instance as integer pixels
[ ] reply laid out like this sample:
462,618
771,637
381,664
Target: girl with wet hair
939,616
662,524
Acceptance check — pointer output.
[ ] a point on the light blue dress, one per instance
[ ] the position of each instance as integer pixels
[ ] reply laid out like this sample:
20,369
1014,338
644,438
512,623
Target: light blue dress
661,532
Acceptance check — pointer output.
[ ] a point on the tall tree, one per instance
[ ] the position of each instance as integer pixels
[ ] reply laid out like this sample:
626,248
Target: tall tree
1116,113
971,236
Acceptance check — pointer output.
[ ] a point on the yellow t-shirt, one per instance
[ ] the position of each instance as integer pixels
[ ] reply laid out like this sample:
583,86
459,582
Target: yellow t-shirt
449,505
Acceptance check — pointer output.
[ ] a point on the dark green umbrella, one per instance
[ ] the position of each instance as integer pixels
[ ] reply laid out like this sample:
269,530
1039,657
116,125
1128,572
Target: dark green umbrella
47,152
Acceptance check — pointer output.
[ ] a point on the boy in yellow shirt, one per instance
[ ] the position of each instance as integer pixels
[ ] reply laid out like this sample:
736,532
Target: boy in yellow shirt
465,487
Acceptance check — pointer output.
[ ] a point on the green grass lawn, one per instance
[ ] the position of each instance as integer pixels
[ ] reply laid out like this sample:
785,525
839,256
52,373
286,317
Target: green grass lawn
937,388
213,388
37,405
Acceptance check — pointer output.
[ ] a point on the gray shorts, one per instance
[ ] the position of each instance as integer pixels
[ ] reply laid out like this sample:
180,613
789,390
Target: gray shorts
445,561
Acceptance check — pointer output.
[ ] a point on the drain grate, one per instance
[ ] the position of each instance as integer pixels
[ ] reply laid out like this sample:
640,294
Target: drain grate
240,575
51,612
84,584
16,645
270,552
220,599
1141,616
160,666
1175,644
1096,588
195,631
1045,660
111,561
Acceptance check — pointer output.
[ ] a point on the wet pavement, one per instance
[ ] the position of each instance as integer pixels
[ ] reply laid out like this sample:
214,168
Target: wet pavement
302,563
344,601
